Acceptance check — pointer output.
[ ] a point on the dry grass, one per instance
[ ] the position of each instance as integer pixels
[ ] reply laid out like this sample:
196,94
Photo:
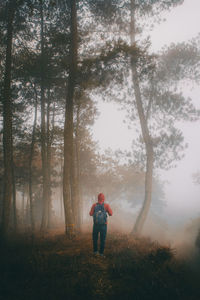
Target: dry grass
57,268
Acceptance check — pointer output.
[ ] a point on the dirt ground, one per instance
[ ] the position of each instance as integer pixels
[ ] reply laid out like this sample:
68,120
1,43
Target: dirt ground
57,268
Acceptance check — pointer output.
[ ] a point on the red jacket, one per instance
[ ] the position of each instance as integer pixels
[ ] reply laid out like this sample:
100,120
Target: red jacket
106,206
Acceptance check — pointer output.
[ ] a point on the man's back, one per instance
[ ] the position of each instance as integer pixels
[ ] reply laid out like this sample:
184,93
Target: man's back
99,212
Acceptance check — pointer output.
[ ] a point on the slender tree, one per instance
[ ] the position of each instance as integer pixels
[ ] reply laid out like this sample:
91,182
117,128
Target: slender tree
7,121
68,129
145,133
78,203
31,162
45,177
159,106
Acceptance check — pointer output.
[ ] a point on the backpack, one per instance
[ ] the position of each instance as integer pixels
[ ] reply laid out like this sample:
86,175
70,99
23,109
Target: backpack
100,215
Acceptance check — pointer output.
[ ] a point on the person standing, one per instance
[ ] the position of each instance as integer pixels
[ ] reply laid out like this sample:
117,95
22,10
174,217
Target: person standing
99,212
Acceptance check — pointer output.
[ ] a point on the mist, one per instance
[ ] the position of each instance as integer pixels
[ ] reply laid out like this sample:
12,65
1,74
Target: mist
99,140
181,192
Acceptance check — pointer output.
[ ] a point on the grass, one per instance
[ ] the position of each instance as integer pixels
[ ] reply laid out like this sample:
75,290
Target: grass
57,268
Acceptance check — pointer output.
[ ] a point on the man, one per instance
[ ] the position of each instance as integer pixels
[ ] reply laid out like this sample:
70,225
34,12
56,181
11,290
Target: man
99,212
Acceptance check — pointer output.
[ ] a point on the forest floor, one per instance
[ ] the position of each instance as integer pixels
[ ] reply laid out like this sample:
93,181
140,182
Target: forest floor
57,268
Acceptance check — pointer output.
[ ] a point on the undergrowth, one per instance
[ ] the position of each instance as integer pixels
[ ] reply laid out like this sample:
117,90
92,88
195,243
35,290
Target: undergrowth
57,268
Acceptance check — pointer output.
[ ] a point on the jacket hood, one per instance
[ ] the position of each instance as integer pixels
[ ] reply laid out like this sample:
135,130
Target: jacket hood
101,198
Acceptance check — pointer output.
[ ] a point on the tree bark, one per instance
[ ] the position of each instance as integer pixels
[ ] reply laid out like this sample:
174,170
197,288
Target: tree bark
145,134
77,171
7,123
45,195
15,223
23,204
30,166
49,144
68,129
61,189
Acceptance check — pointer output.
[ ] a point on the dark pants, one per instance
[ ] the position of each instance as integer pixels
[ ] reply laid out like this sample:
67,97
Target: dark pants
102,229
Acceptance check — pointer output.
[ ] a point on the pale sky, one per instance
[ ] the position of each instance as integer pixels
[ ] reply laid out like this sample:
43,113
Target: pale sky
182,23
182,196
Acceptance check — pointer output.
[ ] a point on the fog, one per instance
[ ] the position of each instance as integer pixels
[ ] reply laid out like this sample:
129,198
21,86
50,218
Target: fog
99,149
110,130
113,130
181,24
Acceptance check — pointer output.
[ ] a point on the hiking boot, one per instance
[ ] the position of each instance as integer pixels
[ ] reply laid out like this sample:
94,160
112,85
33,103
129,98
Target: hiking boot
96,253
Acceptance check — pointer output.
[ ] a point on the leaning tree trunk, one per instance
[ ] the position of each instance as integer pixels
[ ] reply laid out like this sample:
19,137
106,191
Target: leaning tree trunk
7,123
68,130
145,134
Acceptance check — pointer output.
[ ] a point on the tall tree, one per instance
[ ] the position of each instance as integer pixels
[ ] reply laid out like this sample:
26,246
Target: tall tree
45,176
137,12
68,129
7,121
30,183
147,104
76,167
145,132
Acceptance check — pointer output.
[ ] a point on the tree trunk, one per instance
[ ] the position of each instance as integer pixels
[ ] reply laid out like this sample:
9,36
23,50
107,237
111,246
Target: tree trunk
30,167
68,129
77,170
7,123
14,198
61,189
49,143
45,195
23,204
74,188
145,134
